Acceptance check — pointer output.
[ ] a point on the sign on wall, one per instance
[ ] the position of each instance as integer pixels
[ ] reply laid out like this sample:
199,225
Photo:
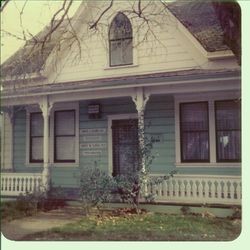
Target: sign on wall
88,131
92,141
93,145
91,153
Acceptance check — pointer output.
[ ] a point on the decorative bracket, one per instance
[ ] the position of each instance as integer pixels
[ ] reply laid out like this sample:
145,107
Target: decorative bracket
140,99
45,106
10,112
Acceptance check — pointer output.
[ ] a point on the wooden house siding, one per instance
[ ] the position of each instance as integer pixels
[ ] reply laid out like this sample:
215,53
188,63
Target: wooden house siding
159,121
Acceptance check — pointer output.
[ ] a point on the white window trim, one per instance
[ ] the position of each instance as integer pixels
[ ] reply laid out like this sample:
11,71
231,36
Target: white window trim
202,97
110,139
56,107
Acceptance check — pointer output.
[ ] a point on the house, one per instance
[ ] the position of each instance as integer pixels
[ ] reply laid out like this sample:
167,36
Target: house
63,111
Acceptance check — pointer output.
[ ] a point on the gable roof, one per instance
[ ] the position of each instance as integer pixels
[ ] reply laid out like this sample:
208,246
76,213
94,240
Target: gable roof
201,20
198,17
32,57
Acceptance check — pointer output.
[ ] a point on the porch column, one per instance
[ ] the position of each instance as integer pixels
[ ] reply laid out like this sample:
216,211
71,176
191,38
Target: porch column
46,107
140,99
7,138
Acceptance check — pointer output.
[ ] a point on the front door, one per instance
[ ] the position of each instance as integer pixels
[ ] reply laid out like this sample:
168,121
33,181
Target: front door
125,146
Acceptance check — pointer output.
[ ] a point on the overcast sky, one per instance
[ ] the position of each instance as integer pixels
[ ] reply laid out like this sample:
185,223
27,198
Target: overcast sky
36,15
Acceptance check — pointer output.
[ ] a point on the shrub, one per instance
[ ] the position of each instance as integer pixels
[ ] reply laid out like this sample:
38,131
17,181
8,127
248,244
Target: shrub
95,188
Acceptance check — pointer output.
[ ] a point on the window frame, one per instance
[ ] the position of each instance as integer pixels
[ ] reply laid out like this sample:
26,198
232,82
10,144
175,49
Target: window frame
181,133
217,131
122,40
201,97
31,137
56,136
56,107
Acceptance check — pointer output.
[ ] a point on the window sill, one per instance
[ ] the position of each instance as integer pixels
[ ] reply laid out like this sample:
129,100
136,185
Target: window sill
121,67
203,165
62,164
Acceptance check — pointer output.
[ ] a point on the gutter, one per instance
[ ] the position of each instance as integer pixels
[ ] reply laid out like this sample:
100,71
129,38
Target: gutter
68,91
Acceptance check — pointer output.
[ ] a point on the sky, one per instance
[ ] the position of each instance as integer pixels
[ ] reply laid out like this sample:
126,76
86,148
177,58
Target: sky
36,15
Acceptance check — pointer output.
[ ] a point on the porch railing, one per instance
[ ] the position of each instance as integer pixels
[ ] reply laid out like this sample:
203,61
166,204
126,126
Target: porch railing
14,184
196,189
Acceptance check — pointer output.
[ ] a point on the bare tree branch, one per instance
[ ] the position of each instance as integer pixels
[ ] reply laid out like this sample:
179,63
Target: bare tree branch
4,4
94,25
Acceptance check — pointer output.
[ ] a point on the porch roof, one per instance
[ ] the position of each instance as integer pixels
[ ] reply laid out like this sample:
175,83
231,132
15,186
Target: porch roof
123,82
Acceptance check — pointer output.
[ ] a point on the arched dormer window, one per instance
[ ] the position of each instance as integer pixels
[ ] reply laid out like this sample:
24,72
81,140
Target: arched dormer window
120,41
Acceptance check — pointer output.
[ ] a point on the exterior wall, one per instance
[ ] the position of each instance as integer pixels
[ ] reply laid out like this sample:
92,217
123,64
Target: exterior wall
169,47
159,122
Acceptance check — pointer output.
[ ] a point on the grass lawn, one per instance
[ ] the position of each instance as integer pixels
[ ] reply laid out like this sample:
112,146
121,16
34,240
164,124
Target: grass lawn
149,226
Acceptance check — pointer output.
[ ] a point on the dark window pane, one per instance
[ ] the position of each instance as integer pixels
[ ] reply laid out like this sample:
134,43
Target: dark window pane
194,132
64,136
65,122
120,27
228,130
37,148
36,137
120,41
65,148
36,124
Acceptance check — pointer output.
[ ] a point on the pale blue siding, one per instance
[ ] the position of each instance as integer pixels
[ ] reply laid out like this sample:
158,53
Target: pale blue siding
159,121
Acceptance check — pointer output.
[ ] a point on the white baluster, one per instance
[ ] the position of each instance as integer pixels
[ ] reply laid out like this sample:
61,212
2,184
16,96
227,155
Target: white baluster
213,189
219,191
194,189
171,189
206,190
238,191
182,189
164,188
200,189
188,189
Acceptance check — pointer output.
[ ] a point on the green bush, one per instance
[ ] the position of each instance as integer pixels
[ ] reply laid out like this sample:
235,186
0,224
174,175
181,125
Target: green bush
95,188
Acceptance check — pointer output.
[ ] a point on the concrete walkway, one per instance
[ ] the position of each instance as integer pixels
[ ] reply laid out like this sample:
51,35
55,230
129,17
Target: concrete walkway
17,229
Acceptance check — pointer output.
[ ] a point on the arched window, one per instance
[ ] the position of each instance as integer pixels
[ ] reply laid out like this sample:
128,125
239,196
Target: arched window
120,41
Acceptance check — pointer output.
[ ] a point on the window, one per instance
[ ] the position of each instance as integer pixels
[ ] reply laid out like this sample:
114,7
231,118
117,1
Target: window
228,132
36,137
120,41
64,136
194,132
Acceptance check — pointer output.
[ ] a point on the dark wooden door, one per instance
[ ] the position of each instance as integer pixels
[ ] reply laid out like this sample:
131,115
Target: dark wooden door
125,146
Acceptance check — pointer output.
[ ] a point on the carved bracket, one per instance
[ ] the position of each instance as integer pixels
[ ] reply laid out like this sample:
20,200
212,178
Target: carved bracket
46,106
140,99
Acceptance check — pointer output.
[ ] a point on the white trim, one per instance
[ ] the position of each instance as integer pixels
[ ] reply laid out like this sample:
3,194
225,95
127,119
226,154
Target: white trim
237,177
110,144
56,107
210,98
207,164
29,110
2,139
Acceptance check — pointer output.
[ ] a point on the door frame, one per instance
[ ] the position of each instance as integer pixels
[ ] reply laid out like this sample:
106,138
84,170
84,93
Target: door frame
110,138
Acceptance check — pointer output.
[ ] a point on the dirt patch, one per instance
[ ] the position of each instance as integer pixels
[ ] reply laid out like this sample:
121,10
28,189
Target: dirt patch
17,229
